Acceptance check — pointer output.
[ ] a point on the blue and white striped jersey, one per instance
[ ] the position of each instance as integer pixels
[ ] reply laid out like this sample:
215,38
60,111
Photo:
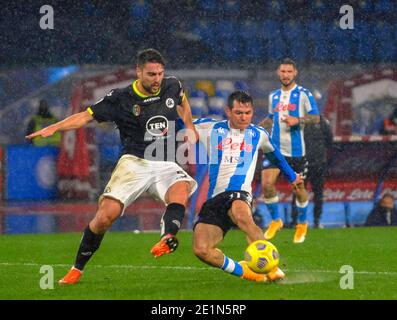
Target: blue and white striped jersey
232,155
296,102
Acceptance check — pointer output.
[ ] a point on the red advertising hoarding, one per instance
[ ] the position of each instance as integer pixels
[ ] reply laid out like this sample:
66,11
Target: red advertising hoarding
355,165
78,164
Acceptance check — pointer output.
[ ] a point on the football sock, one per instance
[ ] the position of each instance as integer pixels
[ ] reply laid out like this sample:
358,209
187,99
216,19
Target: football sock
89,244
272,206
232,267
172,219
302,211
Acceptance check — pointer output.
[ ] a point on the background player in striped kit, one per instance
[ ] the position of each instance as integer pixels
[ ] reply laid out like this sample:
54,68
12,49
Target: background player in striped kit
232,148
290,109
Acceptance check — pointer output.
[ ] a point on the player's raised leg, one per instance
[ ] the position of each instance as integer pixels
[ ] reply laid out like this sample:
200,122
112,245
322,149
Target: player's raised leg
109,210
302,203
269,178
176,198
205,239
240,213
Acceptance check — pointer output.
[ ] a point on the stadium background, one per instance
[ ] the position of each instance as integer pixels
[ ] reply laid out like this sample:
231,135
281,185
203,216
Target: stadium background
214,47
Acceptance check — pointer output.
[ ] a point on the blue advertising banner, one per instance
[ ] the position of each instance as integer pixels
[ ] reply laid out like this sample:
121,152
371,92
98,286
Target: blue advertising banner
31,172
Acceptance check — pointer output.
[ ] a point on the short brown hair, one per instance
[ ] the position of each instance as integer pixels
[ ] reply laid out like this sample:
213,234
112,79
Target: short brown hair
149,55
288,61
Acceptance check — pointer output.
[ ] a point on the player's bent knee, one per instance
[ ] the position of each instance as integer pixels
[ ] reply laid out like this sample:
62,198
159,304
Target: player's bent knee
201,252
100,225
178,193
105,221
111,205
108,212
243,222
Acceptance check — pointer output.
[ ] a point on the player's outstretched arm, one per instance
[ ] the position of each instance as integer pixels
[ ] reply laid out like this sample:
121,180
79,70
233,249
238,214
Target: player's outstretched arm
274,155
74,121
185,114
276,158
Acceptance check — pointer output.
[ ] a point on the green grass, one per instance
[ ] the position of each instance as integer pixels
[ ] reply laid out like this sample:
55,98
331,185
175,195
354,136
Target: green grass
123,268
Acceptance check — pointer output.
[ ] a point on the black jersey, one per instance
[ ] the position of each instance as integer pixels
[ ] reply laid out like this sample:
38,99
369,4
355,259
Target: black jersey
143,120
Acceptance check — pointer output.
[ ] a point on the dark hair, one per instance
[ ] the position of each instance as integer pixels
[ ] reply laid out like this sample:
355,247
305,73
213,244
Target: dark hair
240,96
288,61
43,108
149,55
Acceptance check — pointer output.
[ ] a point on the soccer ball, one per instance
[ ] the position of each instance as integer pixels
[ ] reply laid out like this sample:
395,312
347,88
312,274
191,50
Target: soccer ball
261,256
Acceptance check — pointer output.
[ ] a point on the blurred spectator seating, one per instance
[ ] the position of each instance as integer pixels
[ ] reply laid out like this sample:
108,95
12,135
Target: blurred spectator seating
365,39
140,10
241,85
251,41
207,86
385,44
293,34
341,41
224,86
217,104
275,8
383,6
317,34
209,6
275,46
198,103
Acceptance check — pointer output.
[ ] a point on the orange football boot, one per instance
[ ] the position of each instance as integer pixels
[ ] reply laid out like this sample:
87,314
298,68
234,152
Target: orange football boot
300,233
274,226
72,277
275,274
248,274
167,244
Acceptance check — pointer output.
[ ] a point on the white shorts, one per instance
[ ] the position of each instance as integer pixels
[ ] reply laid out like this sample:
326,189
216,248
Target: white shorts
133,176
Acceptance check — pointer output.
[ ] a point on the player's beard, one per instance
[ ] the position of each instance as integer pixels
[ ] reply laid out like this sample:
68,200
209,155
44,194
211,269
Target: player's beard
150,89
287,84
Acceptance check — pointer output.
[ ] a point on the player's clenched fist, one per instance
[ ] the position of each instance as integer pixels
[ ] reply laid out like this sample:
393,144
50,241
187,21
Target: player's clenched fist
290,121
297,181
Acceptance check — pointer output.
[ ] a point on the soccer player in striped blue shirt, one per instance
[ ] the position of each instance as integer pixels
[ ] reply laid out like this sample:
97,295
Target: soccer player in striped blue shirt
291,108
232,147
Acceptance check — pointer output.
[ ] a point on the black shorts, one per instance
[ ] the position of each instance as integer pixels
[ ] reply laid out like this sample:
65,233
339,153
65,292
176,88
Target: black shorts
298,164
215,211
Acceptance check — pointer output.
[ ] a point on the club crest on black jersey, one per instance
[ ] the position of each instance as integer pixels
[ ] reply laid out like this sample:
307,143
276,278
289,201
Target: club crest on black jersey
142,119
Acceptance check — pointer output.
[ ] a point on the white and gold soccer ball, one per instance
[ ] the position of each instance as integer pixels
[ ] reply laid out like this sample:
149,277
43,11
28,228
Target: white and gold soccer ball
262,256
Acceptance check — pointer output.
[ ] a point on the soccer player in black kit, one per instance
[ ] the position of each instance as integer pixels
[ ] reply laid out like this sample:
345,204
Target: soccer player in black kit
144,113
